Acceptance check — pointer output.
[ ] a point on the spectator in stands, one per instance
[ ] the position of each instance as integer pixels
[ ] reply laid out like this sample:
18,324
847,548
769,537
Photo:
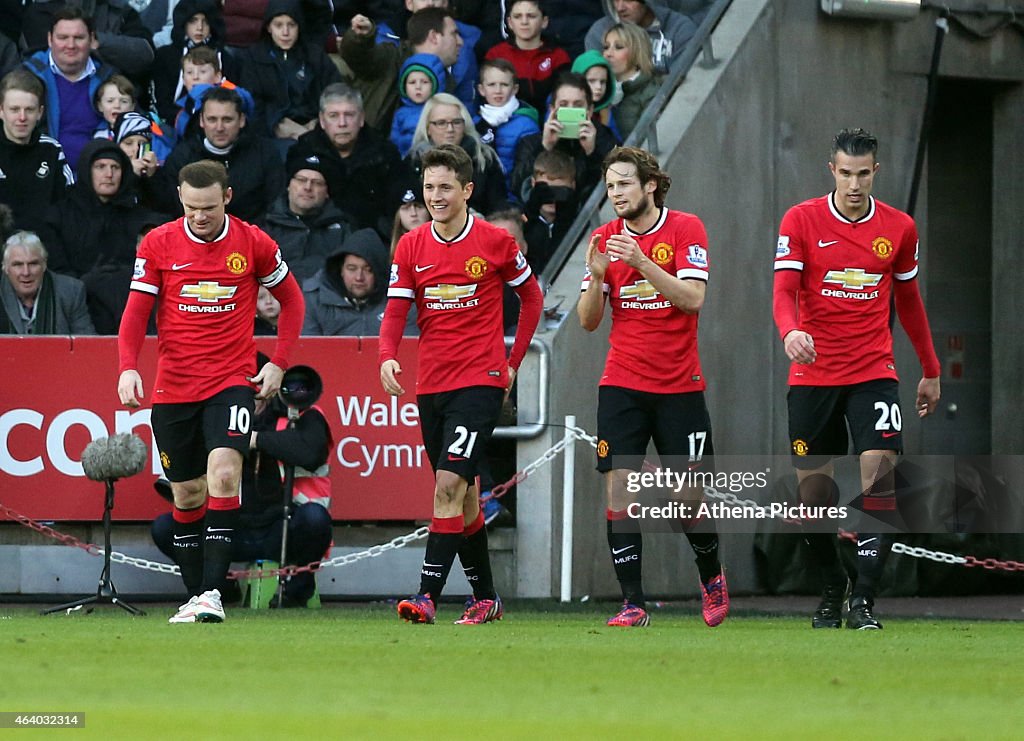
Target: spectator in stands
410,214
376,66
446,121
537,62
464,71
551,206
268,311
360,165
94,231
35,171
195,23
304,222
285,74
668,30
35,300
114,96
587,150
201,70
244,21
116,33
71,76
419,79
274,443
628,50
347,297
503,120
604,88
255,170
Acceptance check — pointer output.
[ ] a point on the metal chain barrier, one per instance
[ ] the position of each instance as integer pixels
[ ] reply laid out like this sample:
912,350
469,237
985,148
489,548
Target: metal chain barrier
497,492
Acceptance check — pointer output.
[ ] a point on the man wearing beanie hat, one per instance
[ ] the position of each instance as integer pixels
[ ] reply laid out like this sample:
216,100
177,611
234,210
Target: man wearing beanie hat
669,30
305,223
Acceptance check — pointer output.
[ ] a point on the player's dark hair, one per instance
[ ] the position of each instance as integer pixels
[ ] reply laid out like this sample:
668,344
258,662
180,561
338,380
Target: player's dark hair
200,55
203,174
451,156
73,13
217,94
647,169
423,21
573,79
855,143
23,81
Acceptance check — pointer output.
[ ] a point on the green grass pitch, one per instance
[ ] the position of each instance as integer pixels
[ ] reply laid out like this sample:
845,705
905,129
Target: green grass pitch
545,671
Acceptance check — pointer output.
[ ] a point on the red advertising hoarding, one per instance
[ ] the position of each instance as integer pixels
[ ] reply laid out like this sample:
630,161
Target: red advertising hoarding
59,393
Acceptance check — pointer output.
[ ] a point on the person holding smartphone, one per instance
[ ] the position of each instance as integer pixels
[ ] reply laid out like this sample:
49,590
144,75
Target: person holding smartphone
572,132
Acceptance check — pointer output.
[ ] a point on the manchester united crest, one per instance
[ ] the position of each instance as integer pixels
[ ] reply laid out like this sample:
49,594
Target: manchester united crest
476,267
662,253
165,460
602,448
237,263
882,247
799,447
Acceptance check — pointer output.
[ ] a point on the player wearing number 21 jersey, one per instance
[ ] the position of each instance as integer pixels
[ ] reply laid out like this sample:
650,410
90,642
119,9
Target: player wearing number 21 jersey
454,268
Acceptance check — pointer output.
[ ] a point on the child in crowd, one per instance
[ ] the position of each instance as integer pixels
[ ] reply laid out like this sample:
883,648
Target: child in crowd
419,78
201,70
536,62
603,86
502,119
194,23
551,206
114,96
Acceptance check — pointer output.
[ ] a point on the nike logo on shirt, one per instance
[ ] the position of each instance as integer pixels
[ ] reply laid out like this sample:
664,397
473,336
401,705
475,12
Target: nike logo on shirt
617,551
176,266
421,268
827,244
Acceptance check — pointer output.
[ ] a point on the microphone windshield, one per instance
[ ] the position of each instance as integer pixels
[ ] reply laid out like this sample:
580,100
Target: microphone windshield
116,457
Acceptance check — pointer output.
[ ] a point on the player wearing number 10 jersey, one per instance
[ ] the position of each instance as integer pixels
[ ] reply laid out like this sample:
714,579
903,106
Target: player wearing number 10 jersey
652,264
838,261
203,272
454,268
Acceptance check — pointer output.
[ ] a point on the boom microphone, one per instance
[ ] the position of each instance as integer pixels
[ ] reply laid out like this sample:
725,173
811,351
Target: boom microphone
116,457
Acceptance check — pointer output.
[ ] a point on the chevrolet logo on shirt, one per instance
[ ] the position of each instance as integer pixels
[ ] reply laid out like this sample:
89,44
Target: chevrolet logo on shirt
208,291
449,292
641,290
853,278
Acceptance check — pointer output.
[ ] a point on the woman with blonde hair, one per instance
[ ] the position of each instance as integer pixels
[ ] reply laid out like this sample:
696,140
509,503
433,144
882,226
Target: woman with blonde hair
445,120
627,47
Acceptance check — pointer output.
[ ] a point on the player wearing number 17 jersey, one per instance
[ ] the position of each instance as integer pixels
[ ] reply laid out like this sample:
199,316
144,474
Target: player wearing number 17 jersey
454,268
652,265
838,261
203,272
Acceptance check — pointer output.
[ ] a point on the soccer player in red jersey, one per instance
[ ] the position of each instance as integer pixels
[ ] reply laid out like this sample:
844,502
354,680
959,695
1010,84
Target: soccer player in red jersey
454,268
651,263
203,272
839,259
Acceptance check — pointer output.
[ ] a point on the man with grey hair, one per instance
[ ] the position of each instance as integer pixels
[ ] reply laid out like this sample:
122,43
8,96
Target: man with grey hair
359,164
36,301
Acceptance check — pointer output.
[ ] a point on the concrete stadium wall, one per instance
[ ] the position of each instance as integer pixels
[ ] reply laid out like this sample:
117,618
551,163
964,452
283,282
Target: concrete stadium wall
743,139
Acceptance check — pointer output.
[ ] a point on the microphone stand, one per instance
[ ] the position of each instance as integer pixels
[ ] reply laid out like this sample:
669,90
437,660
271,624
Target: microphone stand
106,594
288,486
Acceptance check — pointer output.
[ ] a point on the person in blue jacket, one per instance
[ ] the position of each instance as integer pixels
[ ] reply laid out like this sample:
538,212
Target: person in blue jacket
503,119
420,78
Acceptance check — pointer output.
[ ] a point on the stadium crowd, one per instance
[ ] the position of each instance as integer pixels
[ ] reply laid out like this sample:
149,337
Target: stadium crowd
321,112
